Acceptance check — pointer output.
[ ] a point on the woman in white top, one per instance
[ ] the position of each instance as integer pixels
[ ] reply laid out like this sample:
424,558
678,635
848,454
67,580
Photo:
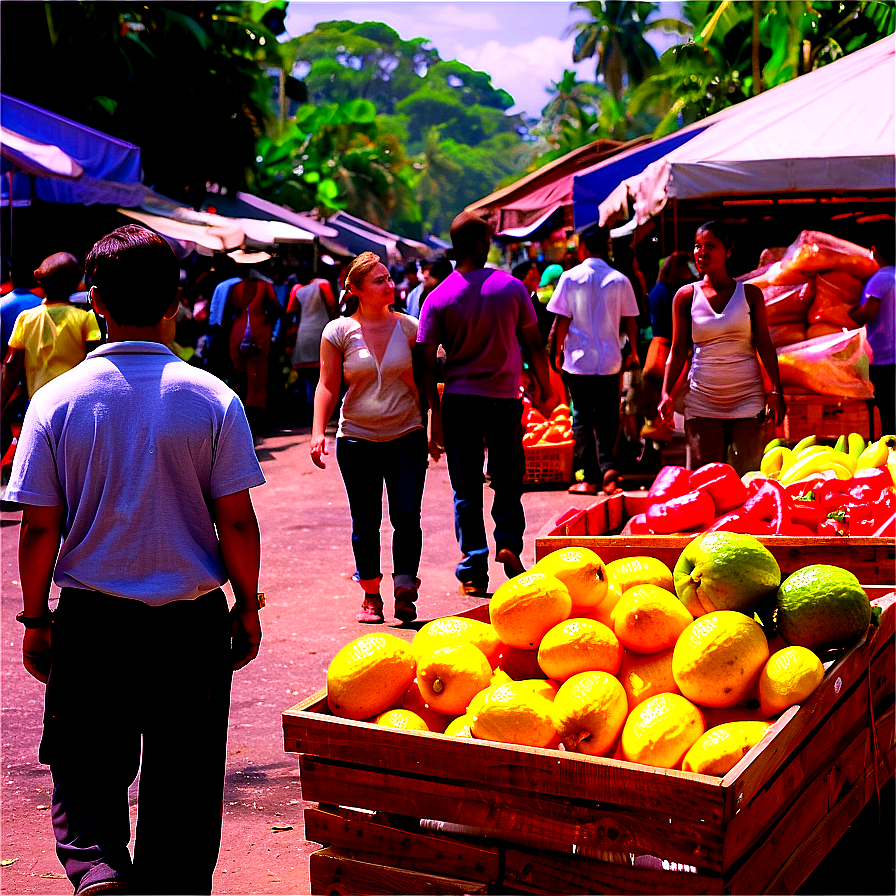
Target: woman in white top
726,408
381,435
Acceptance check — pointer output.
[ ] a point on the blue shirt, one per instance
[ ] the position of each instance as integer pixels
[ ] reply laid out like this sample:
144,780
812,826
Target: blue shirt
219,301
135,444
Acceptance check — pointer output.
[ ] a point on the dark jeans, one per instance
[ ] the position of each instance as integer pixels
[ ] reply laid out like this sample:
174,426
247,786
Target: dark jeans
138,687
595,422
883,378
472,423
365,466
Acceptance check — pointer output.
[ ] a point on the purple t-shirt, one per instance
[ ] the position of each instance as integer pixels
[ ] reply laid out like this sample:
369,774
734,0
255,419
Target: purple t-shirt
476,318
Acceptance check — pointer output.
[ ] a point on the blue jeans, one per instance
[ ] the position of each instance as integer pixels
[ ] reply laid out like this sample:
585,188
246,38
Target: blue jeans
595,422
472,423
401,464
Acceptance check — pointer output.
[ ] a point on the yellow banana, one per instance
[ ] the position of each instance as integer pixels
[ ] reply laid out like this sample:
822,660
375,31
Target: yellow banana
841,471
841,444
875,455
856,445
805,443
814,449
809,464
845,460
891,464
777,460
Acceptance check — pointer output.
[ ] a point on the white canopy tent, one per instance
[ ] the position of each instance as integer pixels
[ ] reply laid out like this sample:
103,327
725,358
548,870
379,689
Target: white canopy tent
831,129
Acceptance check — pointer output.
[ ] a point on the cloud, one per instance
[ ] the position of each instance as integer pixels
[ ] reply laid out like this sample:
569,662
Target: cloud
526,70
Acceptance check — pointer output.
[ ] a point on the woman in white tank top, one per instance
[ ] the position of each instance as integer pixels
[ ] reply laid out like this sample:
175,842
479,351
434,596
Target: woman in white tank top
726,408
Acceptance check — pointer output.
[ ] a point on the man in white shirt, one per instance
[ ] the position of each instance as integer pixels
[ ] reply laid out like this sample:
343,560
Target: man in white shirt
592,301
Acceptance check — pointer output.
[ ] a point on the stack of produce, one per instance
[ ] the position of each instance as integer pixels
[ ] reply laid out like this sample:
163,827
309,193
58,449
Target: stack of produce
807,491
810,287
541,430
629,659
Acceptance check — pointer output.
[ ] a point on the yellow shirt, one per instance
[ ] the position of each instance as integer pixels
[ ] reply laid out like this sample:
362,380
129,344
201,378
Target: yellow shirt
54,338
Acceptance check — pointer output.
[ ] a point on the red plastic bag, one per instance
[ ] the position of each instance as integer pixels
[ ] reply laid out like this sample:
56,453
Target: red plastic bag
814,251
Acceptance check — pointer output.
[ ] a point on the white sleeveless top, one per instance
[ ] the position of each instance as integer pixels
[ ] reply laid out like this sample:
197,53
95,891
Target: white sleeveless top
725,380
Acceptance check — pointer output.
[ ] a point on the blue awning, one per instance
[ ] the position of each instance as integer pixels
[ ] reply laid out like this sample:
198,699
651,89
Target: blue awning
592,187
113,174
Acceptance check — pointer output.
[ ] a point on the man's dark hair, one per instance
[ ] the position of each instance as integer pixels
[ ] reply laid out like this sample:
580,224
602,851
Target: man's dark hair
595,240
136,273
468,231
59,275
440,268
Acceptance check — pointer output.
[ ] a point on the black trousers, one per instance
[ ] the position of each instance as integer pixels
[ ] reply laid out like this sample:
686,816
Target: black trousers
135,687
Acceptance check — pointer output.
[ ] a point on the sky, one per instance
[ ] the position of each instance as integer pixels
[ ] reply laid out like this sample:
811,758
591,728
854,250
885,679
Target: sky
522,44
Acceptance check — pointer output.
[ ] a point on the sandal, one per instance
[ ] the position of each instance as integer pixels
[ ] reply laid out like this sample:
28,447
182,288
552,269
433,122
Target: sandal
611,482
371,610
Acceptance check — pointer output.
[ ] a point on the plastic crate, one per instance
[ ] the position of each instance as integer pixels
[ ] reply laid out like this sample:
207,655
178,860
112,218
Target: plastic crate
549,463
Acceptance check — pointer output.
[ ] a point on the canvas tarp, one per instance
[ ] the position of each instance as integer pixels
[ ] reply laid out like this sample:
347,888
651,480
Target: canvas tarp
831,129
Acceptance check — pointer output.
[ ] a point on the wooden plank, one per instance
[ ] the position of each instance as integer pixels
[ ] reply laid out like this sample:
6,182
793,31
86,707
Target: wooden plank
820,754
484,764
553,873
334,871
404,849
525,816
872,560
807,832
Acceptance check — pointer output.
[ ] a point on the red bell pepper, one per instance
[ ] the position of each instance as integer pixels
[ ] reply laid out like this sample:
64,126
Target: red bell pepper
722,484
637,525
832,527
876,477
807,514
863,519
681,514
770,504
741,521
670,482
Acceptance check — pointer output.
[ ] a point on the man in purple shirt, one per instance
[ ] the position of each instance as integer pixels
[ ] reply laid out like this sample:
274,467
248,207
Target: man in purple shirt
481,317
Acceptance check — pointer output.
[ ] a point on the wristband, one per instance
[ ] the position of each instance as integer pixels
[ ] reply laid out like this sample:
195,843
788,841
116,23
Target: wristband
35,621
260,598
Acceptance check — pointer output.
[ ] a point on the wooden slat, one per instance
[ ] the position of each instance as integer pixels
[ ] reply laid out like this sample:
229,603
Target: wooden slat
336,871
553,873
403,849
806,833
526,817
872,560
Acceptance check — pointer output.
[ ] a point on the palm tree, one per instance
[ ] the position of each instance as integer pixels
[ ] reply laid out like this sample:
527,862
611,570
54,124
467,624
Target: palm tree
614,34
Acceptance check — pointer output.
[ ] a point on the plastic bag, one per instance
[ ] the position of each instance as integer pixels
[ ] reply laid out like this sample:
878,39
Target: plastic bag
814,251
788,304
787,333
829,365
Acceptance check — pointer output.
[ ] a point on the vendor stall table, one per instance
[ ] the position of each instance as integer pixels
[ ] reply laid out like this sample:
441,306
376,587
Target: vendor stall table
415,812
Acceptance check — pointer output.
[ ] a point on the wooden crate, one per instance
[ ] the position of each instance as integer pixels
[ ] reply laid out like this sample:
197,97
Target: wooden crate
825,416
542,821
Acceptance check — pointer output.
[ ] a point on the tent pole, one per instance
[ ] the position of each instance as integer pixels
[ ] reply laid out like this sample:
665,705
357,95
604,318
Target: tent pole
675,222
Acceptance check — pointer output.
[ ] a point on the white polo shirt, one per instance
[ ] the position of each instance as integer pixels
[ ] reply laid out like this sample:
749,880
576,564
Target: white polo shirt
595,297
135,444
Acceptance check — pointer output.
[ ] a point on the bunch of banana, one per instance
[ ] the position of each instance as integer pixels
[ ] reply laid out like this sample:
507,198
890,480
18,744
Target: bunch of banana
807,457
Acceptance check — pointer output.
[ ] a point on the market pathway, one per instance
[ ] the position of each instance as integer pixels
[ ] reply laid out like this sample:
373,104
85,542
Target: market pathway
311,605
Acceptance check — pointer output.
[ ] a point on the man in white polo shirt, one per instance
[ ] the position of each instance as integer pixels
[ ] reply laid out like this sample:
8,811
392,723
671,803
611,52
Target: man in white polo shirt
592,301
141,465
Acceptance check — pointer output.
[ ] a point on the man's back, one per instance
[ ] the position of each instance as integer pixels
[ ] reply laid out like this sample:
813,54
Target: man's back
476,318
136,444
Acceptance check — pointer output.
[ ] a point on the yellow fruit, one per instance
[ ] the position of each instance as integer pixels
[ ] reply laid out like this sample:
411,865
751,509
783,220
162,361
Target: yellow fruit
583,573
369,675
413,700
718,657
448,629
718,750
514,715
525,608
789,676
499,676
661,730
401,718
649,619
579,645
460,727
520,664
451,676
590,709
646,675
630,571
604,611
546,687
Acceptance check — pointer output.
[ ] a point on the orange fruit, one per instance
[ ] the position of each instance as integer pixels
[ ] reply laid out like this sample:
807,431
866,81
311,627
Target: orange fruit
562,410
457,629
520,664
649,619
413,700
523,609
659,731
579,645
718,750
646,675
603,612
535,416
529,439
590,709
402,718
555,433
627,572
451,676
583,573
